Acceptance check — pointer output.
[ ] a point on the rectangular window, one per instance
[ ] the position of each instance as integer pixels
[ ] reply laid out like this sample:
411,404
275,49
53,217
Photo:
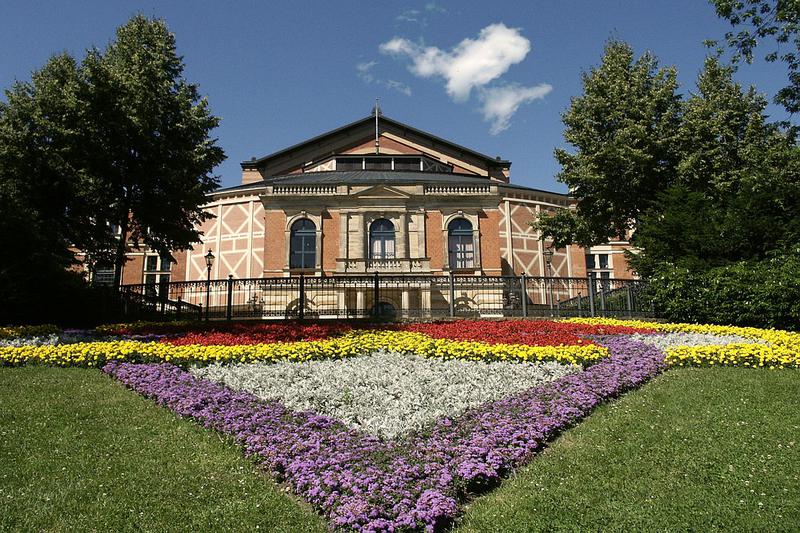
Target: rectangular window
103,276
166,263
463,254
375,251
589,262
151,263
381,247
378,163
603,258
406,163
349,163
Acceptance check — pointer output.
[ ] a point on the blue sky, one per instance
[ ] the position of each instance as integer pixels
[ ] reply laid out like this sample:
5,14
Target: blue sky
278,73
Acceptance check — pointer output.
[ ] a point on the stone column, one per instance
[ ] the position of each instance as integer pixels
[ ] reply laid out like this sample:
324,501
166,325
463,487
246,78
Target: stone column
402,236
360,301
425,296
357,242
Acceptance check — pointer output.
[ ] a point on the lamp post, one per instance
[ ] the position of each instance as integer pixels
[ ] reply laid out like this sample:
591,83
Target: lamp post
209,264
548,259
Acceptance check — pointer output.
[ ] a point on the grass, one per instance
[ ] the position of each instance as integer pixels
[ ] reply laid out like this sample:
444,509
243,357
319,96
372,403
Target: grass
80,453
700,449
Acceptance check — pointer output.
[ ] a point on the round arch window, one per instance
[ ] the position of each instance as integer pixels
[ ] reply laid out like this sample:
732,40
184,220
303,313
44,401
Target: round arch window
303,244
460,244
381,239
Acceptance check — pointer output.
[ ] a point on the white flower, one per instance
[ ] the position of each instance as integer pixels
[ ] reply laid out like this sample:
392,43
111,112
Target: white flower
387,394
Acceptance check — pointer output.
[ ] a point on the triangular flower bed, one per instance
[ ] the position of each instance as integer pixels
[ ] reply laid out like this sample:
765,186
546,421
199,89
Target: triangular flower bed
359,481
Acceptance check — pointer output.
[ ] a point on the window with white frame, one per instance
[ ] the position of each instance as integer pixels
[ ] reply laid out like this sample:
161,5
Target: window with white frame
600,264
156,271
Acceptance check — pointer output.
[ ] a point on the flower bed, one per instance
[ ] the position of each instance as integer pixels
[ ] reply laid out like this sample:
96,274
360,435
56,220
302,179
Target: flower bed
385,393
347,345
391,429
44,330
225,333
531,332
359,481
774,349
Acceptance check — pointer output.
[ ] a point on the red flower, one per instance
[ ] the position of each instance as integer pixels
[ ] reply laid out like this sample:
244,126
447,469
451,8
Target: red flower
531,332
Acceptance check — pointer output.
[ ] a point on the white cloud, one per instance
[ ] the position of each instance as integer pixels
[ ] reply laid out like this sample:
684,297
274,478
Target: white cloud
473,63
433,7
363,70
365,74
409,15
500,103
399,86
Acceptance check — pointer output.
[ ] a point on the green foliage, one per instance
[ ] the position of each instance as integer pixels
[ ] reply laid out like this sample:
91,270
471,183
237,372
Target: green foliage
763,294
696,183
46,196
623,128
156,156
737,190
564,227
119,139
766,20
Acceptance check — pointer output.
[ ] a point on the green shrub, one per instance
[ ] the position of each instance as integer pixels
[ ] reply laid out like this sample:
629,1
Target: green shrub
762,293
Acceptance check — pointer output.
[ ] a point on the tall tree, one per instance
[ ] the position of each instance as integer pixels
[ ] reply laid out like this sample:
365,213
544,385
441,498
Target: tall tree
46,196
737,187
157,155
119,139
761,20
623,129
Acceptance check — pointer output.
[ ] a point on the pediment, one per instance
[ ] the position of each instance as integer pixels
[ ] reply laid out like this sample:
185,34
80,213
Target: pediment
381,192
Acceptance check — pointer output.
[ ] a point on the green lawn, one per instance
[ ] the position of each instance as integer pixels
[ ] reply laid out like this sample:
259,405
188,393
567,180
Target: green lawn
696,448
80,453
699,449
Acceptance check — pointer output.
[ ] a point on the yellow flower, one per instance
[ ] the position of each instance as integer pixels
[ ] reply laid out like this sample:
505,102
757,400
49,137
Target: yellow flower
782,348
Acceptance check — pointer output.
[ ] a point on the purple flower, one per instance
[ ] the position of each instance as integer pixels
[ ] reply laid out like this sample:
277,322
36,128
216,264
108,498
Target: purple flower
361,482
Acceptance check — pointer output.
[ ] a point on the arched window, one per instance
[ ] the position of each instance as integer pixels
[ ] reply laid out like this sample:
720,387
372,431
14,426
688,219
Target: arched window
381,239
460,245
303,244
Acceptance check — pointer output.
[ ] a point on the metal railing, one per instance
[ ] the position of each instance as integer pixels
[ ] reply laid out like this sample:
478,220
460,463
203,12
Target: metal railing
387,296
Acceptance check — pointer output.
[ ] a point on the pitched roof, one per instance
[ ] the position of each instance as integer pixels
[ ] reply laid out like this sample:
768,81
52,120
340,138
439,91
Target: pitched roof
493,161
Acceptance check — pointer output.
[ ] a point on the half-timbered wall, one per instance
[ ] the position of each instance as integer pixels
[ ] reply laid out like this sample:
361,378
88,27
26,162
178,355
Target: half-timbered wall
520,248
236,237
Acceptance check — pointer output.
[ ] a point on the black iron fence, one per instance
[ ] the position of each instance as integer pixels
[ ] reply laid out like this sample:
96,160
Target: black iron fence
384,296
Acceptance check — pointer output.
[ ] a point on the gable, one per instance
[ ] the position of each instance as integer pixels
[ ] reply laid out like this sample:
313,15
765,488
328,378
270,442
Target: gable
380,192
359,138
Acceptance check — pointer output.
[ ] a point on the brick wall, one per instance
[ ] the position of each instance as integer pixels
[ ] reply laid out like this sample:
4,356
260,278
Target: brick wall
433,239
274,242
489,229
330,240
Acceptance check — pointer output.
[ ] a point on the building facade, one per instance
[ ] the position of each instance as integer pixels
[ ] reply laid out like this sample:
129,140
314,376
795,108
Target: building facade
380,196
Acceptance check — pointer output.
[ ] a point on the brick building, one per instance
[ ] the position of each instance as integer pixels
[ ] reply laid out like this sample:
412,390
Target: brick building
377,195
